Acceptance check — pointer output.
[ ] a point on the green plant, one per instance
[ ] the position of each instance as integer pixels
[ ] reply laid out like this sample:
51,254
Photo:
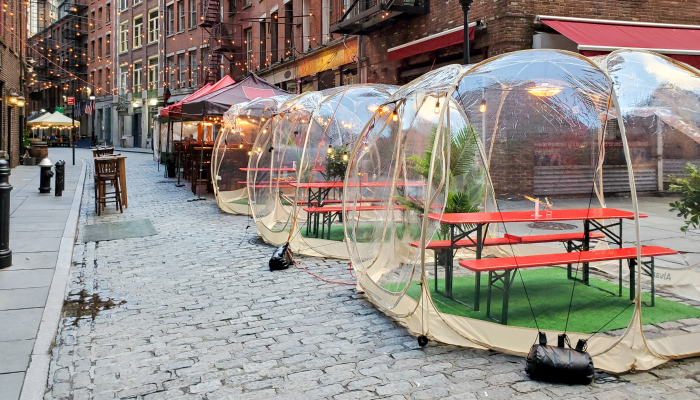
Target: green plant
337,163
466,179
26,139
688,206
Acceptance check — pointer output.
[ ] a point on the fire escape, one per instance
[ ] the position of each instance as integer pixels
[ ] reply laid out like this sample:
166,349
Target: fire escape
222,42
361,17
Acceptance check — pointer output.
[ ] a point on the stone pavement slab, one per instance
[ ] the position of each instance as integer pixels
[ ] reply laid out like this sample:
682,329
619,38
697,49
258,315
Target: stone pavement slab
37,228
194,313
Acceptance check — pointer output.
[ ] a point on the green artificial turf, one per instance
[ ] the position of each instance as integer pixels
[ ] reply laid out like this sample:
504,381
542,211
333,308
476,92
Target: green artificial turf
550,291
244,202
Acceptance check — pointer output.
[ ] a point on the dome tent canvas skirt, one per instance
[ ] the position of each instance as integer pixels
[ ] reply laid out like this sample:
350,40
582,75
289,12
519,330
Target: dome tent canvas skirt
525,128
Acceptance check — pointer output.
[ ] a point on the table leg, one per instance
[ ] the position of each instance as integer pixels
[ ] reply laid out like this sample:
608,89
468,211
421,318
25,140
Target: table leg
477,278
122,181
449,261
633,286
652,281
619,276
506,296
586,245
488,295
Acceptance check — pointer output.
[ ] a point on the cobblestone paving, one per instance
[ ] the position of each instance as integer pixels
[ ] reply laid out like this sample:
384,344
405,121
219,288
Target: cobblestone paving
204,318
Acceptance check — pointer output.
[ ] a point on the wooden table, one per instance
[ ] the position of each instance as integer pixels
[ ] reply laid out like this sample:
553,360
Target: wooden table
121,163
465,225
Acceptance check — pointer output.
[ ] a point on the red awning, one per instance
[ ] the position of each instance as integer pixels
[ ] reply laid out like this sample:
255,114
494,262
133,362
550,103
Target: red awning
430,43
175,110
596,37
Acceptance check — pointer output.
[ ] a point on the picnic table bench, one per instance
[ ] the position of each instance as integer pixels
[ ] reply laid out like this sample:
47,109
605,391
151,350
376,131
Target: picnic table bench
508,264
330,213
445,246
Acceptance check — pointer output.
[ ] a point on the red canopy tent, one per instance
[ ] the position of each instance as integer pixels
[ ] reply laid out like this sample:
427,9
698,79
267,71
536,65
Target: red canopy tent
175,110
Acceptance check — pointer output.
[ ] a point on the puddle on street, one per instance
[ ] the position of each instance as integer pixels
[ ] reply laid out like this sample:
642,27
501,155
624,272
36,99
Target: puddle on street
83,304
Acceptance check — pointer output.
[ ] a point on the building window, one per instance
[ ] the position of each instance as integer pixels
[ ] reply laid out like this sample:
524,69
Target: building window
181,16
108,15
99,48
288,17
137,2
182,69
249,50
138,32
92,22
99,18
274,38
123,37
263,45
170,16
153,73
153,26
108,46
92,51
108,81
123,4
306,25
136,76
171,72
193,14
248,3
123,76
99,80
193,68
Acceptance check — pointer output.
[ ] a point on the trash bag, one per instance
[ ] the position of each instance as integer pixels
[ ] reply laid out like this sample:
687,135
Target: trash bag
281,259
559,364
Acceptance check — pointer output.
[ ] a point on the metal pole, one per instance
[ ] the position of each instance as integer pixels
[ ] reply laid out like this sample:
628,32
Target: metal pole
72,133
466,5
5,189
178,156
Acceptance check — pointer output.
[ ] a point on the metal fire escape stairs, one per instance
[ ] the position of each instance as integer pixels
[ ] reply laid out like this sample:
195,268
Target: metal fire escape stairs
221,38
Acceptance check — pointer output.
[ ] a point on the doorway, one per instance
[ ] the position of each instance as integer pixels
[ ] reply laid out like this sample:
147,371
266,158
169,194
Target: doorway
136,129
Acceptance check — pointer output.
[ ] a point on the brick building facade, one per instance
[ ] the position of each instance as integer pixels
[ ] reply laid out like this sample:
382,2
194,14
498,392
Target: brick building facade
12,74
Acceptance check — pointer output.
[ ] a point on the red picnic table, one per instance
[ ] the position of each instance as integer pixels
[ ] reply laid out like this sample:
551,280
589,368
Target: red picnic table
324,188
464,225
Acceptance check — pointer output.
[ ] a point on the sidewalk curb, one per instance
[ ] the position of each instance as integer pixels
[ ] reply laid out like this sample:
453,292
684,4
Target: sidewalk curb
36,378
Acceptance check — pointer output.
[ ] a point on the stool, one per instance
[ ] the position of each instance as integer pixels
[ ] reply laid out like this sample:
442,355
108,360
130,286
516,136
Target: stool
107,174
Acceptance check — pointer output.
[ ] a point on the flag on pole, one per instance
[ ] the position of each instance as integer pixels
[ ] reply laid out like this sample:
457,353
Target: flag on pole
78,110
89,107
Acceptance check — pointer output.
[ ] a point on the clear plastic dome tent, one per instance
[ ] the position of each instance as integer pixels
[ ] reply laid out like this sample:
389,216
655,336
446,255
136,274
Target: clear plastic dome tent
290,165
510,160
241,124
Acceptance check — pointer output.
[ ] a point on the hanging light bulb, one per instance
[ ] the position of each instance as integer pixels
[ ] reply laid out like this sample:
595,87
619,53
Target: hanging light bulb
330,149
240,146
437,107
482,107
345,156
249,152
394,116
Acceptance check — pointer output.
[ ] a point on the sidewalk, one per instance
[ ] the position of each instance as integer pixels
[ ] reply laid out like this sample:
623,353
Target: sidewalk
42,231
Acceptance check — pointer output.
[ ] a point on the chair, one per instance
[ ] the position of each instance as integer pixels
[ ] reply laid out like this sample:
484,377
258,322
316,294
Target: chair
106,175
103,151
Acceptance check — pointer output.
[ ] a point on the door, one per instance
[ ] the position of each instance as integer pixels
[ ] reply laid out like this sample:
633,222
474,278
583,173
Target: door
136,129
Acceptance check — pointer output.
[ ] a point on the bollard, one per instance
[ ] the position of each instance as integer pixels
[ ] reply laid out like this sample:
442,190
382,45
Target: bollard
5,189
60,177
45,176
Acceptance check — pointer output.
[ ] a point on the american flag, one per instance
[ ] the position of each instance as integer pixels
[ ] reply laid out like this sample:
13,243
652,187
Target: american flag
89,107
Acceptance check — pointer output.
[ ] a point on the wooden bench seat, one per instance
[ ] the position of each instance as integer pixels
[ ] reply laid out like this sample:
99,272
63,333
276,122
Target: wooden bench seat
336,201
511,239
508,264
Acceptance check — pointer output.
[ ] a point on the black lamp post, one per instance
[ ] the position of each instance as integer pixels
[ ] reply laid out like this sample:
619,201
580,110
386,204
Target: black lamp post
466,5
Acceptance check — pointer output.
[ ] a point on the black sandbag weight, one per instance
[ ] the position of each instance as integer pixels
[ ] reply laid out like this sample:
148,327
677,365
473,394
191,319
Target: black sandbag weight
559,364
281,258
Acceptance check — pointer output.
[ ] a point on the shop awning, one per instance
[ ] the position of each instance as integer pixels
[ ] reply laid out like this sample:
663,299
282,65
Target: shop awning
216,103
175,110
596,37
431,43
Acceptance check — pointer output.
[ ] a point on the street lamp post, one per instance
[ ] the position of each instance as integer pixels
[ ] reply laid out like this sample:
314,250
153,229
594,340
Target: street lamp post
92,99
13,98
466,5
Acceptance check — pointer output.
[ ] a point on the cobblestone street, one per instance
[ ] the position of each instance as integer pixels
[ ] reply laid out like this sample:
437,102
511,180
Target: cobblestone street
195,313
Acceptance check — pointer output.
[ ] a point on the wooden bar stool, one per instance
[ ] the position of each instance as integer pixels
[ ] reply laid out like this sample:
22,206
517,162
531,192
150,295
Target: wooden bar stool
102,151
106,175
